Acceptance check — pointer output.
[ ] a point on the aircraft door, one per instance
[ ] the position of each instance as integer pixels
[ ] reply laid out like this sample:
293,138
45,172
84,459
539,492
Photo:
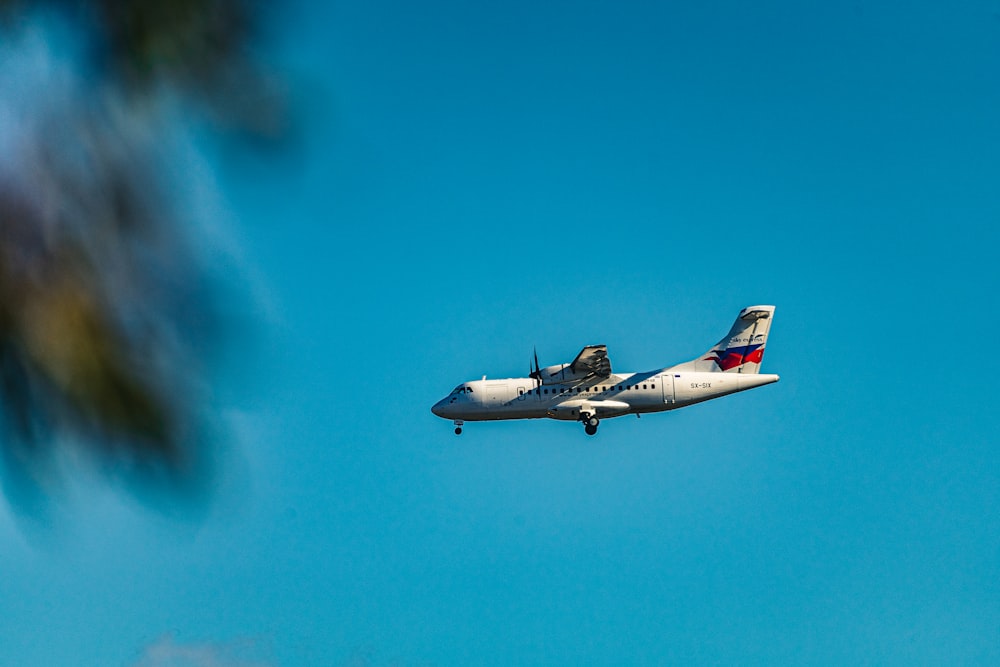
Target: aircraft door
667,382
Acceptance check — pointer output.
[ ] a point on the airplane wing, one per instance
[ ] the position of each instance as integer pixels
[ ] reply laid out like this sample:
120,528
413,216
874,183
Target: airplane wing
592,362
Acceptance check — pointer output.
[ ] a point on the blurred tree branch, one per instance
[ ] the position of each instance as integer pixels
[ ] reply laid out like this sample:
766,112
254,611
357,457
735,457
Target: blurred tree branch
104,313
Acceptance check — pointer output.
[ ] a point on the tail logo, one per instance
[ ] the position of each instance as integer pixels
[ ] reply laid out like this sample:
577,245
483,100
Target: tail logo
737,356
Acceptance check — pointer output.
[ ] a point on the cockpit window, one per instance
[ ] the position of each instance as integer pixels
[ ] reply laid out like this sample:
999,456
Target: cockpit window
461,390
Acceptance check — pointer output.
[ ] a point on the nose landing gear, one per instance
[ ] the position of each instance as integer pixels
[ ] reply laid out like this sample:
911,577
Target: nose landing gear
458,426
590,423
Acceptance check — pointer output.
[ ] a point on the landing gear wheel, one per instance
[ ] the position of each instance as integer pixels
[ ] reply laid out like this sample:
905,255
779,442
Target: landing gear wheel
458,430
590,430
592,421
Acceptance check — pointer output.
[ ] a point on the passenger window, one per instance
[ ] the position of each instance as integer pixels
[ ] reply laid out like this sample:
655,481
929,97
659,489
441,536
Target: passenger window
643,386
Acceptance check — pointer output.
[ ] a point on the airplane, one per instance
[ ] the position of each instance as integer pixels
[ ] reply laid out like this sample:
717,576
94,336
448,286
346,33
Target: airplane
587,390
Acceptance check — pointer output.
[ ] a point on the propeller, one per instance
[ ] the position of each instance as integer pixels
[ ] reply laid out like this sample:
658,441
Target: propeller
536,371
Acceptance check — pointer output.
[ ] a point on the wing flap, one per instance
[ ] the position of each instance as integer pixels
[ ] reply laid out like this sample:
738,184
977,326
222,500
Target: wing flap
592,362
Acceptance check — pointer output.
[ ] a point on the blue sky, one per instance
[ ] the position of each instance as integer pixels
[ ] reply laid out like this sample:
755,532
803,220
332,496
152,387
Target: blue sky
477,180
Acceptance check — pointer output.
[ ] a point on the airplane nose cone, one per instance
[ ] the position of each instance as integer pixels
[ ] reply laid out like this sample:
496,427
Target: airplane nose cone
438,408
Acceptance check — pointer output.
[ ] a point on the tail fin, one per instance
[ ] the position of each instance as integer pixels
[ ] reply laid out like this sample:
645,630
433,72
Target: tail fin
742,350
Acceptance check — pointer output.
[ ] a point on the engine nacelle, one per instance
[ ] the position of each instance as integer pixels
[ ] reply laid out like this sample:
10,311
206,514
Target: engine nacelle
559,373
553,374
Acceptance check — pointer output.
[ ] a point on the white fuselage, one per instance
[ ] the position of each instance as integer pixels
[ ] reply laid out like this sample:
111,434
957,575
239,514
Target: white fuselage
614,396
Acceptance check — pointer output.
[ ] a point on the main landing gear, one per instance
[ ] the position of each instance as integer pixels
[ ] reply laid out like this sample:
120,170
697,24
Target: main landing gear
458,426
590,423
